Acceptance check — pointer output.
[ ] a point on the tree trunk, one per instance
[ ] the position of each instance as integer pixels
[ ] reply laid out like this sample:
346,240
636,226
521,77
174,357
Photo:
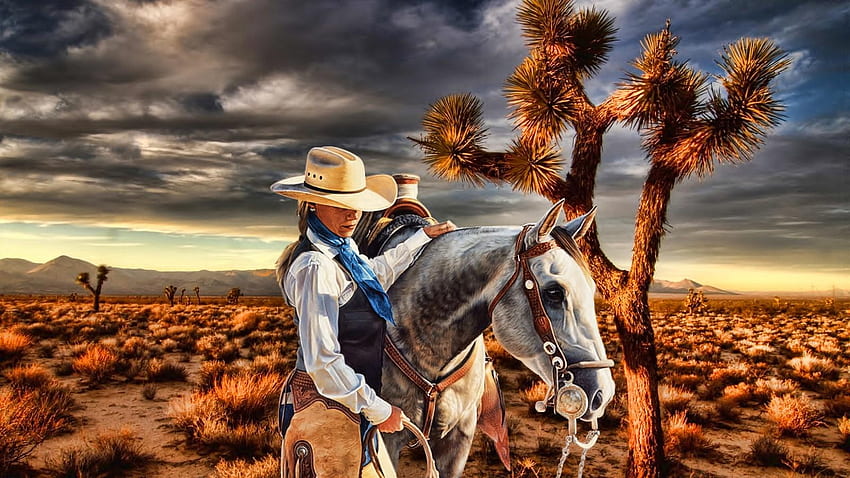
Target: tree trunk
97,297
646,440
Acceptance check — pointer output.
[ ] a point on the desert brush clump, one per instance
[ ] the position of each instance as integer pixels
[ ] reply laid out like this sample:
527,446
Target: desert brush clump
235,413
109,454
13,346
683,437
246,322
159,370
844,432
811,369
674,399
535,393
768,451
217,347
27,418
266,467
793,416
96,364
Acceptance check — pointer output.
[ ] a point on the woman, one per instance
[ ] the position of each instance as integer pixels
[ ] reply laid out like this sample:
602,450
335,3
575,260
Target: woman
342,311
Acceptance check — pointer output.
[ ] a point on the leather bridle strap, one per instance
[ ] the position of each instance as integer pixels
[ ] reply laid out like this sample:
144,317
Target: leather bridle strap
542,324
431,389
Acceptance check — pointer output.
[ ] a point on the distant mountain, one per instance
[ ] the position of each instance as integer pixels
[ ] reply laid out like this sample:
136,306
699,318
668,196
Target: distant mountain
683,286
18,276
58,276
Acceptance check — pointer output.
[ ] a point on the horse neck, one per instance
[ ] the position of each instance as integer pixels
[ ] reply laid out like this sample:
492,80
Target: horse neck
441,301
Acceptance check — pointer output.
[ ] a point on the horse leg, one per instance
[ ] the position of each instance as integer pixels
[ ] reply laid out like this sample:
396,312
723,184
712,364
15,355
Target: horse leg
451,451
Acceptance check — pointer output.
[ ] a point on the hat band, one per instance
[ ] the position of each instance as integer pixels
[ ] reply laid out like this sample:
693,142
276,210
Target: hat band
323,190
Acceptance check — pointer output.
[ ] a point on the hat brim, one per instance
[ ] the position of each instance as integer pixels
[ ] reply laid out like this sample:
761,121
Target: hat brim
380,193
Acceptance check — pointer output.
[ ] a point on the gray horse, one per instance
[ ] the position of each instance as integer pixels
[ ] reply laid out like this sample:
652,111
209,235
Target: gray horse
441,307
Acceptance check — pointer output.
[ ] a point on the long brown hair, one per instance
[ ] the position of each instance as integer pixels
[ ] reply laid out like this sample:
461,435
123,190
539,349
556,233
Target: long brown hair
285,259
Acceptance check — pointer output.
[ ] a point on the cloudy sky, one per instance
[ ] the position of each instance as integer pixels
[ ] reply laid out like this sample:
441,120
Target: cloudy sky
144,133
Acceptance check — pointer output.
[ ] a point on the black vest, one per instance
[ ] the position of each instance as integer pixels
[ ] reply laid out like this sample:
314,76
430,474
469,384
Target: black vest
361,331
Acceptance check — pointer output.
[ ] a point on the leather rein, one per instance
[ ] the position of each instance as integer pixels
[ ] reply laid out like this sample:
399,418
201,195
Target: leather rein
542,325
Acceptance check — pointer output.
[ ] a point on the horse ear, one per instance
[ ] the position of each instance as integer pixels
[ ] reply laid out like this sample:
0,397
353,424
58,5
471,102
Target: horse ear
545,225
579,226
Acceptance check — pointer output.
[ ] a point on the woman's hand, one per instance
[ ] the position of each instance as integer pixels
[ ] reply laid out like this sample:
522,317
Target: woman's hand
439,229
393,423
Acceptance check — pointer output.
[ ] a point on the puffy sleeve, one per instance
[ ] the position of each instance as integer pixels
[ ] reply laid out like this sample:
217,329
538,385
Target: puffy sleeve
310,285
390,265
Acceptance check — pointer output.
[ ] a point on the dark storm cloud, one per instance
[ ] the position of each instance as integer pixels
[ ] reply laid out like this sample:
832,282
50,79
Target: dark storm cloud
185,112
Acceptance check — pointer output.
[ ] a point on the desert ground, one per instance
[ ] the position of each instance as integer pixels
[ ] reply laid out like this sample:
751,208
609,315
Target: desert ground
751,387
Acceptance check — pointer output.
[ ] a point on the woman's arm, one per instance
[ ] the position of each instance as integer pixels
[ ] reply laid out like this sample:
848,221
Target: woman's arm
389,265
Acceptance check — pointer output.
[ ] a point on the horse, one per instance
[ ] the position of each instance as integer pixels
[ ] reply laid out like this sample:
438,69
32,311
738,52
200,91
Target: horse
465,281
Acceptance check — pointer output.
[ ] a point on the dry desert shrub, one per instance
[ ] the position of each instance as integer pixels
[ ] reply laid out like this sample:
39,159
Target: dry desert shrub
683,437
29,377
792,416
674,399
844,432
768,451
109,454
245,322
217,347
135,347
96,364
27,419
765,389
13,346
149,391
273,362
234,413
810,463
159,370
266,467
813,369
535,393
211,372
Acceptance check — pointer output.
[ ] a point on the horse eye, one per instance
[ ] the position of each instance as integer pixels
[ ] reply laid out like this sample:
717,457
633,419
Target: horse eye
554,293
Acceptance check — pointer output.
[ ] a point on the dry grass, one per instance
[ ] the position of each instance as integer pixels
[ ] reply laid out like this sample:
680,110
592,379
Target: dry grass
844,432
266,467
28,418
109,454
13,346
768,451
96,363
235,413
535,393
674,399
159,370
792,416
217,347
765,389
813,369
683,437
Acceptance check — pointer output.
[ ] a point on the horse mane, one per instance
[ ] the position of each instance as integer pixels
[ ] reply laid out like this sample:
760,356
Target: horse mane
568,244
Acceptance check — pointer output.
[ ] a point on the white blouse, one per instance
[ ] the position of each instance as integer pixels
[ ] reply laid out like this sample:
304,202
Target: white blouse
317,287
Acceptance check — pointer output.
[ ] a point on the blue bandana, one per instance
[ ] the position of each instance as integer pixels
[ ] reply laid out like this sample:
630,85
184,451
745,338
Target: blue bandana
359,269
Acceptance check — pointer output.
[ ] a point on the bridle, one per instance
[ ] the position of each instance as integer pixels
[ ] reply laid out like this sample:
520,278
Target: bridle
566,398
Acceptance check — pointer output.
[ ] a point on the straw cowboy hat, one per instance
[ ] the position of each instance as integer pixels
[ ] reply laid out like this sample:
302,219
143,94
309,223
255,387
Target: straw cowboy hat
336,177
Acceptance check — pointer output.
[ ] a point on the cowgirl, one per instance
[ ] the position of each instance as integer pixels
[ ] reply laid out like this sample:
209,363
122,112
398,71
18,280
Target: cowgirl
342,311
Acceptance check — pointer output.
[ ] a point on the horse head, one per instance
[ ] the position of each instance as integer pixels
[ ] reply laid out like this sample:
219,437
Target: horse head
554,285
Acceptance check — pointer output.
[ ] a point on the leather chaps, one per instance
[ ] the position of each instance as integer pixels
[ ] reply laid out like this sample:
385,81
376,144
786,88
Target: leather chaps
323,439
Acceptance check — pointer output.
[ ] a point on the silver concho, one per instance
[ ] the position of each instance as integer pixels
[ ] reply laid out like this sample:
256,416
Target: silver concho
571,402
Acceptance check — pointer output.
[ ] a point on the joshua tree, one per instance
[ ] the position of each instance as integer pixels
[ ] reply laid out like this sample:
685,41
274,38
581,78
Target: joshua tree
169,292
696,301
83,280
686,127
233,295
183,295
198,294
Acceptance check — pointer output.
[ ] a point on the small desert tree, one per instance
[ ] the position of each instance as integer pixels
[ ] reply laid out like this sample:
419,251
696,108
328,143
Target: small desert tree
233,295
198,294
169,292
83,280
686,127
